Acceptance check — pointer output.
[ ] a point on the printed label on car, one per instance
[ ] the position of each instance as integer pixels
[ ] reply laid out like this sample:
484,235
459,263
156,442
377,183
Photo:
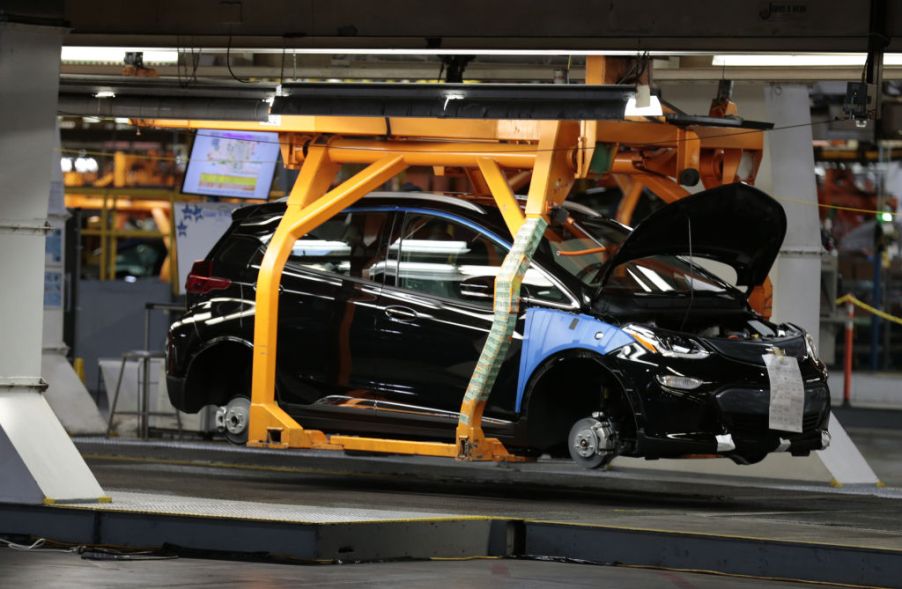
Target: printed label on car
787,393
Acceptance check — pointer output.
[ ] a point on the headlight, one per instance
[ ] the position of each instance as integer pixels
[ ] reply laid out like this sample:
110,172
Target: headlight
673,381
810,348
670,345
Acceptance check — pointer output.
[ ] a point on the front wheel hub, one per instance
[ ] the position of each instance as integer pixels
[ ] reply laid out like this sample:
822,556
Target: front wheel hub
593,442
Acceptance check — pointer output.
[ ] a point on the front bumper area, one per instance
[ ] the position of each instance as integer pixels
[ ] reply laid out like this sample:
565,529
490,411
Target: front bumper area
727,416
742,450
741,428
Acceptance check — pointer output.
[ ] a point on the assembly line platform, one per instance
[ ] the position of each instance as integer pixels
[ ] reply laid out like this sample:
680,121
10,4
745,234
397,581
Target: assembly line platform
212,499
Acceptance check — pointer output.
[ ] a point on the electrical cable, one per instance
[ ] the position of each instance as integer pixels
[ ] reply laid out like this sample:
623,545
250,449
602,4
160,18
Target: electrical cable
229,61
282,67
37,546
87,552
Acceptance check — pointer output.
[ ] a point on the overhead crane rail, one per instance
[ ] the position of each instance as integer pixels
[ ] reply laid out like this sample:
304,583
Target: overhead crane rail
552,142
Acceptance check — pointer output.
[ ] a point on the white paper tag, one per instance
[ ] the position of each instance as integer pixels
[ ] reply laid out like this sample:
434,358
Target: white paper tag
787,393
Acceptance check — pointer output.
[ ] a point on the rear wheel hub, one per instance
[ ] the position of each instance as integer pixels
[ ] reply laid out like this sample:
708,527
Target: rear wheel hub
233,419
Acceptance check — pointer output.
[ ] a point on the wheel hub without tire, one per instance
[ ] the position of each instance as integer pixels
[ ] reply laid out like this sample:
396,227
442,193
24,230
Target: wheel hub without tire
232,419
593,442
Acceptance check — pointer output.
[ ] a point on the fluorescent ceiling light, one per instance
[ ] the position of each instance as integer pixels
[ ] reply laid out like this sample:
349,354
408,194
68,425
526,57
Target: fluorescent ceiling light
105,94
152,56
462,51
170,54
800,59
652,110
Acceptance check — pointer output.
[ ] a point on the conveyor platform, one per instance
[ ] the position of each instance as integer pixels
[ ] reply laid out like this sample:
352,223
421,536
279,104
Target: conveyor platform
321,506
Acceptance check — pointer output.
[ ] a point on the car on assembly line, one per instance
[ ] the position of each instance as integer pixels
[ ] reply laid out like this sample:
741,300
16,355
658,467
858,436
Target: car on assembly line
629,342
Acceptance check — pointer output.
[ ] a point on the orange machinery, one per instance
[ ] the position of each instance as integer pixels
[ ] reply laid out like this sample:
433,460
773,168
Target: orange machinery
496,154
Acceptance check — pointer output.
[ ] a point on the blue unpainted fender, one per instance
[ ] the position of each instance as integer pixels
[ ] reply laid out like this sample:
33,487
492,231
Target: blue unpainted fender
549,331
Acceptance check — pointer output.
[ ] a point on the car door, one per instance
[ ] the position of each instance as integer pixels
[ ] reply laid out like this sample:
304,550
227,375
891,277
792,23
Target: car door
436,312
329,287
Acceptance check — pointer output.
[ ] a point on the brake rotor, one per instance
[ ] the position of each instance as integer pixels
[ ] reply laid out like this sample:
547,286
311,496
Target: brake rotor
592,442
233,420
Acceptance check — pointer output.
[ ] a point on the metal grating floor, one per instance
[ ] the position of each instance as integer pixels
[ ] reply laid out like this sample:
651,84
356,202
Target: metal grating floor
172,505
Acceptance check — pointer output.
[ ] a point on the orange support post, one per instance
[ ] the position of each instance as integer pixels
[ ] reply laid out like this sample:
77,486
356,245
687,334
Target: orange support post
307,208
502,193
631,187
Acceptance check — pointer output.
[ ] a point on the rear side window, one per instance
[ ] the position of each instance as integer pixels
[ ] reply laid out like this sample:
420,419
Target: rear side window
348,244
233,256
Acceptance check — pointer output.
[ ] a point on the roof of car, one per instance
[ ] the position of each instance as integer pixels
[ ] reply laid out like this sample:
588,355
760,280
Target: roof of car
428,196
474,204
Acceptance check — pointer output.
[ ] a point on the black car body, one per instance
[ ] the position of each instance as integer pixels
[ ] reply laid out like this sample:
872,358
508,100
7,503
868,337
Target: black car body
384,310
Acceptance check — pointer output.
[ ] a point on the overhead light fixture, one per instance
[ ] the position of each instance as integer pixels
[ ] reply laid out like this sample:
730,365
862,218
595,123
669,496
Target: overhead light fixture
465,51
652,109
116,55
799,59
169,55
105,94
86,164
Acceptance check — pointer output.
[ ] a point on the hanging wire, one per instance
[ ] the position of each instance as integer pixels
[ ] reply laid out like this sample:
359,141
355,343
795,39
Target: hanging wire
229,60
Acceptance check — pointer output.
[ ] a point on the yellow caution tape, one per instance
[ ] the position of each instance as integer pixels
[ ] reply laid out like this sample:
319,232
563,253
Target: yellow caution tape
850,298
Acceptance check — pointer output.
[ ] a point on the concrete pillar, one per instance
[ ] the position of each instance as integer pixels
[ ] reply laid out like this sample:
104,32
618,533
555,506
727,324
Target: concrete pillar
797,273
37,458
65,392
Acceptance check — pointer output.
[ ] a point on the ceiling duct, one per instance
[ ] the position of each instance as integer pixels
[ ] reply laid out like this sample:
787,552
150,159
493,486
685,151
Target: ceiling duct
164,107
465,101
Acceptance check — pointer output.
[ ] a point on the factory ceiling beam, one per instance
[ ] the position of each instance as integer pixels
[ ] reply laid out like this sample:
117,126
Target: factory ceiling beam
707,25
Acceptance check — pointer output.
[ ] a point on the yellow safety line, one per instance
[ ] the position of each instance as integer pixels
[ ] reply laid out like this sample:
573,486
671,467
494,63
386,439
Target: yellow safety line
708,535
850,298
742,576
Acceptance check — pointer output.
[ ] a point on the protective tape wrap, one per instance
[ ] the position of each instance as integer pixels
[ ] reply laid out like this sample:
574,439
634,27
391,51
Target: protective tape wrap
506,309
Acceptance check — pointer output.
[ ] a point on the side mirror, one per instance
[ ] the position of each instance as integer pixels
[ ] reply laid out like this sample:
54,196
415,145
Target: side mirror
478,288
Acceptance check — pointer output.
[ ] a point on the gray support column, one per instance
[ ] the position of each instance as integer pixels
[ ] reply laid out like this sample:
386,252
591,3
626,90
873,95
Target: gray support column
797,273
66,394
39,462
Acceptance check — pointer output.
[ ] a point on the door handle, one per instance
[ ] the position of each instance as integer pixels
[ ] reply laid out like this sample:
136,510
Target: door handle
399,313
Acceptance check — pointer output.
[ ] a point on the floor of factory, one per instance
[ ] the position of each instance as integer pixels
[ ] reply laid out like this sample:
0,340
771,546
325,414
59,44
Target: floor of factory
192,476
67,571
557,492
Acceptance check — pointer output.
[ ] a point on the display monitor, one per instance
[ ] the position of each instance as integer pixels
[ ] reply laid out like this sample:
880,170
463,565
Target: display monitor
236,164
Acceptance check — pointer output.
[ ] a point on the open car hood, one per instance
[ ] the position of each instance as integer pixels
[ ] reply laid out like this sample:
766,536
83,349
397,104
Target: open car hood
735,224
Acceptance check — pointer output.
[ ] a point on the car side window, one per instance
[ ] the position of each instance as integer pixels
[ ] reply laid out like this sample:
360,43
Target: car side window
443,258
347,244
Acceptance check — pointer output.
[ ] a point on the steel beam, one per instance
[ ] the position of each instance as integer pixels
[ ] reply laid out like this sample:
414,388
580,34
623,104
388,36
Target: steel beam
707,25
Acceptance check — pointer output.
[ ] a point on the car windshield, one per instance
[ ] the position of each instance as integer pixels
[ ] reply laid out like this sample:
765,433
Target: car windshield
583,249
